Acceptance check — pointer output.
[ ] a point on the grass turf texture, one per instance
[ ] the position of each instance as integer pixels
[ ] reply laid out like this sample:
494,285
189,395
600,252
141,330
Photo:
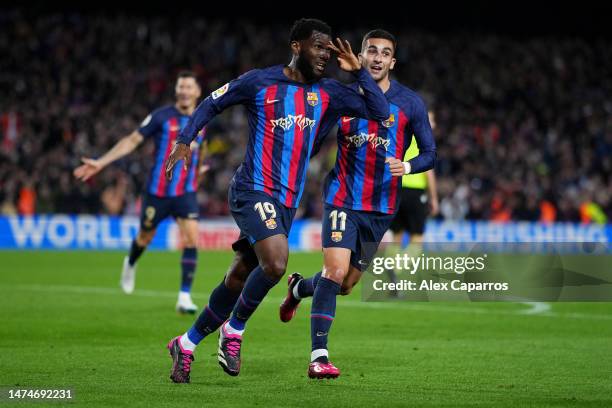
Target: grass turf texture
65,323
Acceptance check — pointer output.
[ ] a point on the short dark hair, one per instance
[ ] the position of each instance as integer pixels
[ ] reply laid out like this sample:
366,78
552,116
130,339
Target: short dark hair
302,29
380,33
186,74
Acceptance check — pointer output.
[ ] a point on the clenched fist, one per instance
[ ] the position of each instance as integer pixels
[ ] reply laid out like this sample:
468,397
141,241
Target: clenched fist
396,166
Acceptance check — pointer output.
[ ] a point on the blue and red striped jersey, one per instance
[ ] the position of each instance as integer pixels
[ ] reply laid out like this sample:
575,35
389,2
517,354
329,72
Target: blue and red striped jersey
360,179
164,125
284,119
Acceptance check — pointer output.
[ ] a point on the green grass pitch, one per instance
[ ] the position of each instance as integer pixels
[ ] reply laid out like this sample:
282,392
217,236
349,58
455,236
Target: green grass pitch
65,323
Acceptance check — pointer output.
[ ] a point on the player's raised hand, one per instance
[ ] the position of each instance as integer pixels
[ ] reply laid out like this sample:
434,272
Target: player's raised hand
347,60
89,168
396,166
179,152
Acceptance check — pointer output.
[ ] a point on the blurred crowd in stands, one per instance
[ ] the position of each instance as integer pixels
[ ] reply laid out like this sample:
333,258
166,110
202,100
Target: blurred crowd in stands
524,125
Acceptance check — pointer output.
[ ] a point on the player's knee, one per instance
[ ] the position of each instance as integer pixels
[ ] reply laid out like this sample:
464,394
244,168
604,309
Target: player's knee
275,268
189,241
336,274
144,238
234,281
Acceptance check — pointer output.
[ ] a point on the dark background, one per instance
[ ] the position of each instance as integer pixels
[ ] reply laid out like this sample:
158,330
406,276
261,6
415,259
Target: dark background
517,18
522,93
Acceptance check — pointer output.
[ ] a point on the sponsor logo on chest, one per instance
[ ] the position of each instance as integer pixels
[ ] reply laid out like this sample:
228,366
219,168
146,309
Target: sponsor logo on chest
371,138
289,121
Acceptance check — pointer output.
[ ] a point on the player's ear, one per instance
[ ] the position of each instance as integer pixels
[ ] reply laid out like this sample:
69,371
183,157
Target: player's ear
360,57
392,65
295,47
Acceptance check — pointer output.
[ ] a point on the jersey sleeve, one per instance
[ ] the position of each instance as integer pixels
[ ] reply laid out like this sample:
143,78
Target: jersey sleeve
421,129
238,91
365,101
327,127
151,124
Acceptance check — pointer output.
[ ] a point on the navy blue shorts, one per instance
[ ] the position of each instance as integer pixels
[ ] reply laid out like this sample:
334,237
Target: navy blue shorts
258,215
156,209
359,231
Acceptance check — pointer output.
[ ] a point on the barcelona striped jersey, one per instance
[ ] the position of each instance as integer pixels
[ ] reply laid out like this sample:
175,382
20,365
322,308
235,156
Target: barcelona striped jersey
164,126
360,179
284,119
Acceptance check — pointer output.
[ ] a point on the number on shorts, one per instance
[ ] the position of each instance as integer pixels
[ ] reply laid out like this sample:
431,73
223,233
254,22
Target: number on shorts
264,209
150,213
335,216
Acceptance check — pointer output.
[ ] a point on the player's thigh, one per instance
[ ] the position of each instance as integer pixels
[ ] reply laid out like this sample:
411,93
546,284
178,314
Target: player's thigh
154,210
261,217
339,228
336,263
371,227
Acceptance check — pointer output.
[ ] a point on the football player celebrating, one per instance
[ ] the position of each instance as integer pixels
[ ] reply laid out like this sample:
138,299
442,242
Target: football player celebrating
361,194
287,107
162,198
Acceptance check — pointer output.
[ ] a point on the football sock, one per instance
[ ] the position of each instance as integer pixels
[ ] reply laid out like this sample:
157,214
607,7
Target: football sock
230,330
189,261
220,305
323,312
255,289
306,287
320,356
135,252
186,343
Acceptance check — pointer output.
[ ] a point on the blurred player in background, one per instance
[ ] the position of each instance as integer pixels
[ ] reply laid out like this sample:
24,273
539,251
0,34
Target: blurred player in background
361,195
415,203
162,198
287,107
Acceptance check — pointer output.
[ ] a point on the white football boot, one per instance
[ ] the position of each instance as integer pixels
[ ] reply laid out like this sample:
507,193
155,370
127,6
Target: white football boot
185,304
128,277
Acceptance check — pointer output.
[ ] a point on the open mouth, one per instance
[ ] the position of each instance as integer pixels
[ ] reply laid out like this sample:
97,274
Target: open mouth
376,68
320,66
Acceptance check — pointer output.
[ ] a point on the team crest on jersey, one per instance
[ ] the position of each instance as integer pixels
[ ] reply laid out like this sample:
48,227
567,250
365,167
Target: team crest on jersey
312,98
372,138
271,223
389,122
220,92
287,122
336,236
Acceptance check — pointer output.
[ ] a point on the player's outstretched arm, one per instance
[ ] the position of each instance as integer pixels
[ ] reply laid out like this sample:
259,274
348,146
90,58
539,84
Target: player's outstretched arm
235,92
122,148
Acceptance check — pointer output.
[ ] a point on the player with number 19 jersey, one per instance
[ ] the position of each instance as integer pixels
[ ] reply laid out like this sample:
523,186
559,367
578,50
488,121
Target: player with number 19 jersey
284,119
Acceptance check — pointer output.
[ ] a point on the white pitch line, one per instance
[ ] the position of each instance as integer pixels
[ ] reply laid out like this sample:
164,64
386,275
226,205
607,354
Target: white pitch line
537,308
